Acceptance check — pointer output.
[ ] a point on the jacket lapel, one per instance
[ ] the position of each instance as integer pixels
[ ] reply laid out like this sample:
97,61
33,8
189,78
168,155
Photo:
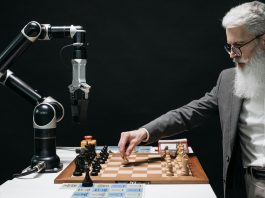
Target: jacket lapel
235,112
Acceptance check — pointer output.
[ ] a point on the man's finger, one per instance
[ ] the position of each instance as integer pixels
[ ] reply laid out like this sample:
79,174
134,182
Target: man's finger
130,148
123,142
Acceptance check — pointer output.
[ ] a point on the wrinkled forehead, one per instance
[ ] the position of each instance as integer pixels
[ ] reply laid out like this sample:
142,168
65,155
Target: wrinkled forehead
238,34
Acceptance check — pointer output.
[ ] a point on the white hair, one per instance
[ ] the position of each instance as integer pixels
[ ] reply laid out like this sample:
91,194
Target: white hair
251,15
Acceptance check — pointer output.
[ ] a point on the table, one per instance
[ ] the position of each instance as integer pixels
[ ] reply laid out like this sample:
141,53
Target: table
42,185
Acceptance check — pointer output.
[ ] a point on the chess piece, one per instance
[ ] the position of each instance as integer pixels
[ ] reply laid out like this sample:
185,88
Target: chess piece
180,153
125,161
78,167
182,168
178,159
168,158
103,155
96,166
180,149
94,172
177,166
87,182
90,152
168,161
101,160
164,152
105,148
185,168
169,171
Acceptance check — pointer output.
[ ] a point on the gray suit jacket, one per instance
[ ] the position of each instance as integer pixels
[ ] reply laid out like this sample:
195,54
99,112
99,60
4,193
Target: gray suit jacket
220,101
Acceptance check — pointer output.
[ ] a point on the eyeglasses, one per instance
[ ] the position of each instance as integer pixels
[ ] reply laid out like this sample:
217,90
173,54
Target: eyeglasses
236,49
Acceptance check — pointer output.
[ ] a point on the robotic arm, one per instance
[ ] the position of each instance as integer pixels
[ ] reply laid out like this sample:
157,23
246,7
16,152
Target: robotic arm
48,111
33,31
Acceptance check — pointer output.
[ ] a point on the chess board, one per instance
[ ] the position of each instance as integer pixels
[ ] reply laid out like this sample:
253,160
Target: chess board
142,167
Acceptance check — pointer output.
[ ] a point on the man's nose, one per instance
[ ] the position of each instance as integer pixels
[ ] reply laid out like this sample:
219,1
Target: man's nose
232,54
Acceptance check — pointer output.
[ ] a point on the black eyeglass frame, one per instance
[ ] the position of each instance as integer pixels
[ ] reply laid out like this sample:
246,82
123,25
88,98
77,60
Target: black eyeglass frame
236,50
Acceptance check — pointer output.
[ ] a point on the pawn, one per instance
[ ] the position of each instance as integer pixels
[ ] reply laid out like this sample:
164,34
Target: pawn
169,171
107,154
78,170
94,173
96,165
87,182
88,147
105,148
97,162
185,168
95,170
168,160
125,161
163,155
101,161
101,154
104,157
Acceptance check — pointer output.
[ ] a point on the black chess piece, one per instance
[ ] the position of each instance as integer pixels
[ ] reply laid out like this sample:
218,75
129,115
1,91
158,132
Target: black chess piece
78,167
101,161
89,148
96,166
78,150
87,182
94,149
95,169
107,154
103,157
94,172
90,151
103,150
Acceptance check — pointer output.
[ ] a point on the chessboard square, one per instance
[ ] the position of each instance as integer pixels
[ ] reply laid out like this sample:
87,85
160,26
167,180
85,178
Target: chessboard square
109,172
142,158
116,158
125,172
154,165
124,168
108,175
154,172
110,165
139,172
139,168
139,175
114,163
111,168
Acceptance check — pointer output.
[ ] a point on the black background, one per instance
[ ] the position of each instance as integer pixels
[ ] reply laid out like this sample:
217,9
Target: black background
144,59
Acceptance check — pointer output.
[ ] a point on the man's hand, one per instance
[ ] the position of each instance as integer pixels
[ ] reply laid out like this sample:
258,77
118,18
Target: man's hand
130,139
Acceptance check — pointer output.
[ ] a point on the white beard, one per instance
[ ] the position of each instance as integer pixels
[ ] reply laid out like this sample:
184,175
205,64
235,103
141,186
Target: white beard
250,80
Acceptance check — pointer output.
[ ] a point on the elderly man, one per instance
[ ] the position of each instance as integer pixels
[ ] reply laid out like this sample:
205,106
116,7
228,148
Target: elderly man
239,100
